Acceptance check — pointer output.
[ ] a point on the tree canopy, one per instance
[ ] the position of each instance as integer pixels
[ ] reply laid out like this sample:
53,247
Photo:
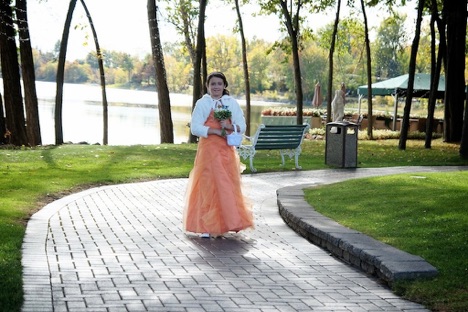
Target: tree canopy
289,73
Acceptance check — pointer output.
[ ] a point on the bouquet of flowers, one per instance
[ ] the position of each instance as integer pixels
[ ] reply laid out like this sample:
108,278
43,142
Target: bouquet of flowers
222,112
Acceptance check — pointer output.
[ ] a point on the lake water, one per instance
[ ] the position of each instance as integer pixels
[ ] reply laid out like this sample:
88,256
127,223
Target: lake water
133,115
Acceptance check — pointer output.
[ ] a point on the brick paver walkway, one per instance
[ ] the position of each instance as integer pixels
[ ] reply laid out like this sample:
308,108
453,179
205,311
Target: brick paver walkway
122,248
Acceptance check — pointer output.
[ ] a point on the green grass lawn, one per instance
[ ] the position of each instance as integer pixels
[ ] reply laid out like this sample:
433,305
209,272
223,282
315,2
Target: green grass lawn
30,178
423,214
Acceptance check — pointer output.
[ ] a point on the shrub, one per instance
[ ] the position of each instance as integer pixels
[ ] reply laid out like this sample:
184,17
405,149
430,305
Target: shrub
286,111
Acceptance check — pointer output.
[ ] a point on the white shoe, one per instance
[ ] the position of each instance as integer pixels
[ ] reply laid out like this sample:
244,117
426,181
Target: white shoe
205,235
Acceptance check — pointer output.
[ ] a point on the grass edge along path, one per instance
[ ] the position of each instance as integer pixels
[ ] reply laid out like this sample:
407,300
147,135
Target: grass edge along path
32,177
423,214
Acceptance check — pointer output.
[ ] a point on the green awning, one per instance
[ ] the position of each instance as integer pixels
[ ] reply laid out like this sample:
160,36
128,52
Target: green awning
399,85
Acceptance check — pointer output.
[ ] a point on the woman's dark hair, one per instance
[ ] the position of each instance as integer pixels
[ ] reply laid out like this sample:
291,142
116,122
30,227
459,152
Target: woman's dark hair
218,75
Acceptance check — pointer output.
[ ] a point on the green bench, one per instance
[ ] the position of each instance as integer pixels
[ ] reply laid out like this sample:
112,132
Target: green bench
286,138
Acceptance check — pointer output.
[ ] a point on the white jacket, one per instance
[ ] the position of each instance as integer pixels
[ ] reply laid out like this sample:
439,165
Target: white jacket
202,111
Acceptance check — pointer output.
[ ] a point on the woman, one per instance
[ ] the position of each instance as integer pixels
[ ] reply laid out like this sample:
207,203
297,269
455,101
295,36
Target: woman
215,204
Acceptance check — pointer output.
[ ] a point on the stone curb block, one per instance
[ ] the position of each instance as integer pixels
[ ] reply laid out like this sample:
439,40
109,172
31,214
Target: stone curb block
371,256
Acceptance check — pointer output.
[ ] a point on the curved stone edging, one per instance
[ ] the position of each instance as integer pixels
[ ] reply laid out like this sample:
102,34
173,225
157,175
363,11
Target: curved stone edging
370,255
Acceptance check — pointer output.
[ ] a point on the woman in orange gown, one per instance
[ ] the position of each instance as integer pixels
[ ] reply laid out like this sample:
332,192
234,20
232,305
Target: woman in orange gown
215,203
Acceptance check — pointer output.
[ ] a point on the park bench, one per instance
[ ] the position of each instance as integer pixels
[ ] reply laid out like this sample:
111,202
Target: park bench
287,139
355,118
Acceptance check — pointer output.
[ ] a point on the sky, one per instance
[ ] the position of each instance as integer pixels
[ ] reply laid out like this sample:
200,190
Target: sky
121,25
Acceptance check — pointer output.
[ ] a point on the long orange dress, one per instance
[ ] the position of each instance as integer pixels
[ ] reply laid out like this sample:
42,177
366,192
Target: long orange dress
214,202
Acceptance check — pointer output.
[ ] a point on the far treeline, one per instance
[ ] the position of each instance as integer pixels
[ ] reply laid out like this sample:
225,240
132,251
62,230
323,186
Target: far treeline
288,68
270,71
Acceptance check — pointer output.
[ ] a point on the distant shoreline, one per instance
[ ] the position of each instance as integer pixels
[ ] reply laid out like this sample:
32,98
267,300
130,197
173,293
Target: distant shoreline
144,97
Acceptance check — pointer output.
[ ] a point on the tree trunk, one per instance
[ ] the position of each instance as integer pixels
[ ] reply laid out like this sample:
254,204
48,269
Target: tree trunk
182,16
2,123
200,53
411,72
33,128
245,67
204,66
61,74
164,102
105,130
464,141
15,122
436,66
297,78
455,74
292,25
187,31
330,62
370,124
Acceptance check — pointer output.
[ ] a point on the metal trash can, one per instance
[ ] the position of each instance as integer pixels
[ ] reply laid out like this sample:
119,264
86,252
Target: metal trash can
341,144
